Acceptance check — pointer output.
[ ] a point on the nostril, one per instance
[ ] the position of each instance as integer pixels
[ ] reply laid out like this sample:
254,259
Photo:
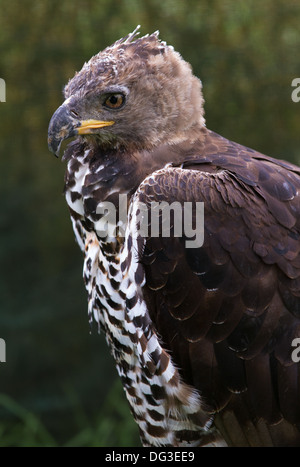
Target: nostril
74,114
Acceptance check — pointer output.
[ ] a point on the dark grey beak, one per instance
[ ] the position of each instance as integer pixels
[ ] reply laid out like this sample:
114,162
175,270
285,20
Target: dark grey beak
62,126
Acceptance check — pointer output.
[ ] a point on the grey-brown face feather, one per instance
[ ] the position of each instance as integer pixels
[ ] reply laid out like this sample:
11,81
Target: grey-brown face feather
163,100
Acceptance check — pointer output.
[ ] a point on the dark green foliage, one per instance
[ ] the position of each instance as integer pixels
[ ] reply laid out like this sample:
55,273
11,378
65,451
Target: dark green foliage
246,53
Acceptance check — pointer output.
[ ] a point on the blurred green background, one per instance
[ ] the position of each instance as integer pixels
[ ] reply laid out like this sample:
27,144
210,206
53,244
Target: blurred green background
59,385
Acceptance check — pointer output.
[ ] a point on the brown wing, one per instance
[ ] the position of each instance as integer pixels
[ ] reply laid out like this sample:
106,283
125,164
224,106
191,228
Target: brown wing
229,311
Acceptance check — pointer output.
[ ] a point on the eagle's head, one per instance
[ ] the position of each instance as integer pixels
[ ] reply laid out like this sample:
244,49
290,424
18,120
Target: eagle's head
136,94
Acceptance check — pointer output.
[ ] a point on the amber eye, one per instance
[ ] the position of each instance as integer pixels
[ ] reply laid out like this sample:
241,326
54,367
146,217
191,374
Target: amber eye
114,101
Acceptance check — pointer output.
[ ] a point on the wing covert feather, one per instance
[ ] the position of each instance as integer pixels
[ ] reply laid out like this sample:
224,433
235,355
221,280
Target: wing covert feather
227,312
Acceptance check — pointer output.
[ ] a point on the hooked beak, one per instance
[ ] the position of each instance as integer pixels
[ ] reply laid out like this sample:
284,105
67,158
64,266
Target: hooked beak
64,125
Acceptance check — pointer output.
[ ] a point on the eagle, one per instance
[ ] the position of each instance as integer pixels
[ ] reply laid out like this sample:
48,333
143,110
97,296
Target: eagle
203,321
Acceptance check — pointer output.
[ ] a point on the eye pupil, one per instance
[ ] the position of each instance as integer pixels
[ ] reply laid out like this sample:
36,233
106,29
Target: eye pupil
114,101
